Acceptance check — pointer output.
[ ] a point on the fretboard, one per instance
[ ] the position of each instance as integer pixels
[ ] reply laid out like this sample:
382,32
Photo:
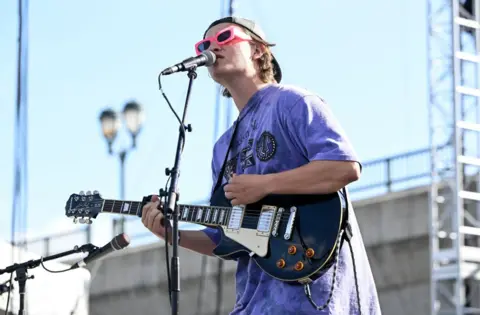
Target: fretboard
206,215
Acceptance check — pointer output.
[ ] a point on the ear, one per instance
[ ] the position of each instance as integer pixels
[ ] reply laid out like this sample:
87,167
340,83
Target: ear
258,51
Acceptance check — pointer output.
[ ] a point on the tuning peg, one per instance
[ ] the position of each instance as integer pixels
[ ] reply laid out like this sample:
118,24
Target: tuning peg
81,193
75,220
82,220
88,221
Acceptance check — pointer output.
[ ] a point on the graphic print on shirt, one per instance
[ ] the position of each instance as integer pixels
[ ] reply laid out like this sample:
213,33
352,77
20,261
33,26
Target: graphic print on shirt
266,146
230,167
254,125
246,155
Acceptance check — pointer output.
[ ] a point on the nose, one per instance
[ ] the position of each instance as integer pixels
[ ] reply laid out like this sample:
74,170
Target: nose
214,46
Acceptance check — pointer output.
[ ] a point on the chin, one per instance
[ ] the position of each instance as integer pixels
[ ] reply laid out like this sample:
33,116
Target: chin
222,71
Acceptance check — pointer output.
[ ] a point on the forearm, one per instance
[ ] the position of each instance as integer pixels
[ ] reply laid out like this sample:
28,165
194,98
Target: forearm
316,177
196,241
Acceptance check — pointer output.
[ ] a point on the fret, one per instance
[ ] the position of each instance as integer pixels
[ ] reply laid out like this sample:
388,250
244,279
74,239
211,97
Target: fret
191,214
215,215
199,215
184,213
222,216
204,214
122,207
227,216
138,209
208,215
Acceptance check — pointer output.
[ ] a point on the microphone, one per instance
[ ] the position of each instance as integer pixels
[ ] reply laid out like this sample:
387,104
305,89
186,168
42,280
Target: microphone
206,58
118,242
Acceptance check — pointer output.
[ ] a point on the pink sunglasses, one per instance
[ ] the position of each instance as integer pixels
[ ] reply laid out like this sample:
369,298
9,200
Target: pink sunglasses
221,38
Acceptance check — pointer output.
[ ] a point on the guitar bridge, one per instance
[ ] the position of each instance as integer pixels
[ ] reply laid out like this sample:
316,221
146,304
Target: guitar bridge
291,220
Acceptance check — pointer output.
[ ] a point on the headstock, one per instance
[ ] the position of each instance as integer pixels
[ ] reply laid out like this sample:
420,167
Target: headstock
84,207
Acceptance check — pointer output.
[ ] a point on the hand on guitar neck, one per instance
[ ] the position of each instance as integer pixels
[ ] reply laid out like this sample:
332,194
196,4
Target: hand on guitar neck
153,219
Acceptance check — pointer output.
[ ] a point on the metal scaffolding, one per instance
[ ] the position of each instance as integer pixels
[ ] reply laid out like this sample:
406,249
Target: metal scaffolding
454,115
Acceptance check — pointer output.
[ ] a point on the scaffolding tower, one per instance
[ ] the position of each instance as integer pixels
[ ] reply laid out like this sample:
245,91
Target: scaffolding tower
454,116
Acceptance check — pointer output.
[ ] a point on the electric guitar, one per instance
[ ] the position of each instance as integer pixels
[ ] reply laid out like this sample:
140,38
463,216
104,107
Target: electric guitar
290,237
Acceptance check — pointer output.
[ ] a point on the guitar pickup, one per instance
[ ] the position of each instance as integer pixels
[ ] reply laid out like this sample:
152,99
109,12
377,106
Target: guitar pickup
276,224
265,221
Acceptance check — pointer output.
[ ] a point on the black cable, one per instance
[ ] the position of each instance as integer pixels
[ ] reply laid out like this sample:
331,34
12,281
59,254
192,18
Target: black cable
53,271
165,214
8,295
345,234
167,254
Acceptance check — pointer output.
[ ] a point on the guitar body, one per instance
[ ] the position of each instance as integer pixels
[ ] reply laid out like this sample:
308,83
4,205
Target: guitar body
315,226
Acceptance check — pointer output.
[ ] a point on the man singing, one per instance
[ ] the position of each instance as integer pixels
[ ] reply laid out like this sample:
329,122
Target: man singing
286,141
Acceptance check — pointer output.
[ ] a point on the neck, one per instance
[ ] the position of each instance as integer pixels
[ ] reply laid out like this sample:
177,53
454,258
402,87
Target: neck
242,89
205,215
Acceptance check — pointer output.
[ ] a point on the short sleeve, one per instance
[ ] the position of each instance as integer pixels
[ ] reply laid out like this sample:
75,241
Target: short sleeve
213,234
313,129
214,174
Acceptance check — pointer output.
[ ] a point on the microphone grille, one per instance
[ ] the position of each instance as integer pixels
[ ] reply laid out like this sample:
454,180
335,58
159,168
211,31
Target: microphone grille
211,57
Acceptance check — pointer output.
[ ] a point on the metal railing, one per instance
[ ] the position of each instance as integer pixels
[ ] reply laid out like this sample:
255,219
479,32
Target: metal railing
380,176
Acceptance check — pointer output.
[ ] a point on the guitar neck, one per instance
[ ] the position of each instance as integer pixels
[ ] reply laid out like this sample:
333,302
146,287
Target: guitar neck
204,215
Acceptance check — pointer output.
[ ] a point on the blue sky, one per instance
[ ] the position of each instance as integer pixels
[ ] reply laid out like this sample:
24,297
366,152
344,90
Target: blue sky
367,59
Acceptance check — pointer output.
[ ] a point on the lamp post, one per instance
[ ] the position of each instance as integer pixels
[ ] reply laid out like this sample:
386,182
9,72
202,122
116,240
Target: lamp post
133,118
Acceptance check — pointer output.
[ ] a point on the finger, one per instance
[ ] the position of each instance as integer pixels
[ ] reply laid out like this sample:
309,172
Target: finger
232,177
152,210
145,210
158,224
231,187
229,195
235,202
227,187
154,198
151,218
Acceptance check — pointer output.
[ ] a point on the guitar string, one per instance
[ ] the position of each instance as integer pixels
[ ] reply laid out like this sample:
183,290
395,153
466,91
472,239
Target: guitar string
252,214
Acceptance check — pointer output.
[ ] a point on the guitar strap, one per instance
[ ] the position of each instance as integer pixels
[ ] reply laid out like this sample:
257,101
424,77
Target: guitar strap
347,235
222,171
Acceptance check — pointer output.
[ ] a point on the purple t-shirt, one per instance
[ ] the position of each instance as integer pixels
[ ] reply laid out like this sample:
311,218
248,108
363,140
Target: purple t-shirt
281,128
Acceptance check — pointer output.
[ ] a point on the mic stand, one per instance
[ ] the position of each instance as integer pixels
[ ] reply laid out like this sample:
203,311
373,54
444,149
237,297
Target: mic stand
22,275
173,197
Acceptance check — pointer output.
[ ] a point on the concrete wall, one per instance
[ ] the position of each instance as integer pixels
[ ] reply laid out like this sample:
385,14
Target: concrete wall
394,229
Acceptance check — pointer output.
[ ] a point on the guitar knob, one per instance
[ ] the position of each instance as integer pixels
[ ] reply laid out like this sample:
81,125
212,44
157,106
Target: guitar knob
88,221
281,263
88,193
310,253
299,266
95,192
81,193
82,220
292,250
75,220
